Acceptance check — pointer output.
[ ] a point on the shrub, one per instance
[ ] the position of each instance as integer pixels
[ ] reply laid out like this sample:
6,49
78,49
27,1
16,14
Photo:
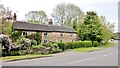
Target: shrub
99,38
87,43
37,47
24,42
36,36
95,43
33,42
54,48
10,53
79,44
62,45
72,45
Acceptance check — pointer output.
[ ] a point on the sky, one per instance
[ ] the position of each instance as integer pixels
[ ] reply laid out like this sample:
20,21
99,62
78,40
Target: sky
107,8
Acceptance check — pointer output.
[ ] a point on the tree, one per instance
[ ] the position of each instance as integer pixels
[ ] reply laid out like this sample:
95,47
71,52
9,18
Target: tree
36,17
5,21
91,29
107,29
107,34
108,25
65,14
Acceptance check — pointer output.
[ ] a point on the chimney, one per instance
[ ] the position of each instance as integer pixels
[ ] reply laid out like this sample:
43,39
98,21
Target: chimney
14,17
50,22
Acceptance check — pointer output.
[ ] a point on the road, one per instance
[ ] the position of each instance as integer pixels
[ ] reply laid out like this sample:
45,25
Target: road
105,57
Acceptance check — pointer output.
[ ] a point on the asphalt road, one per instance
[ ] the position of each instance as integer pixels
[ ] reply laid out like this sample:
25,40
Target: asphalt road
105,57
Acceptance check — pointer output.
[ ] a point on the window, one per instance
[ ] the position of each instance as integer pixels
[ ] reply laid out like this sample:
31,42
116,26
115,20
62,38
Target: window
45,41
25,33
60,40
61,35
71,35
45,33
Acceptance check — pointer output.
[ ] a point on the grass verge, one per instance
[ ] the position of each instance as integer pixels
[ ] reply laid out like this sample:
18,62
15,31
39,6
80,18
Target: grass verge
109,44
12,58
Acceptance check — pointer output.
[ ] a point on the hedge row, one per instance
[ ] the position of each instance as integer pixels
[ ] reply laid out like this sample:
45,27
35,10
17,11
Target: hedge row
72,45
51,48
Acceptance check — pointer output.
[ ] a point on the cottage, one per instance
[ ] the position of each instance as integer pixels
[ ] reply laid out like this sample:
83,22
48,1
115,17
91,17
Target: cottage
50,32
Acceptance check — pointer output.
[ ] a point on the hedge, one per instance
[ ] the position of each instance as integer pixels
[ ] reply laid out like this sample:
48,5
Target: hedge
79,44
62,45
51,48
95,43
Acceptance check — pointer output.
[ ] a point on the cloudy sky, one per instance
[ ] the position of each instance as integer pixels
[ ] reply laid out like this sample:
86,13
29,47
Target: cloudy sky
108,8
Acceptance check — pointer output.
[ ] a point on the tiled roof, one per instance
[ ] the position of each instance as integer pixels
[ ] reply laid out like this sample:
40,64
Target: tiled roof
19,25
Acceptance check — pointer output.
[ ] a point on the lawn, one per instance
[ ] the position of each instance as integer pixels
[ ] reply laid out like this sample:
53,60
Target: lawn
110,44
9,58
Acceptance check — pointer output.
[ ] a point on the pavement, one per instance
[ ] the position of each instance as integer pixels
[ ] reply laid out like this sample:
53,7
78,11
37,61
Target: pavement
105,57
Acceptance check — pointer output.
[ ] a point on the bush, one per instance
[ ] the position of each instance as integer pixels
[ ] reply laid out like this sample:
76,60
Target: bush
95,43
33,42
37,47
62,45
10,53
72,45
79,44
87,43
99,38
54,48
25,42
36,36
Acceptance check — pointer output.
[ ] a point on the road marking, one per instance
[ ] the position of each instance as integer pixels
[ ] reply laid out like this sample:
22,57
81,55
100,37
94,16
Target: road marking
107,54
91,58
81,60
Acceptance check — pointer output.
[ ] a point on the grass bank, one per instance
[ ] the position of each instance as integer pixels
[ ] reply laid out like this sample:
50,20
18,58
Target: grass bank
12,58
109,44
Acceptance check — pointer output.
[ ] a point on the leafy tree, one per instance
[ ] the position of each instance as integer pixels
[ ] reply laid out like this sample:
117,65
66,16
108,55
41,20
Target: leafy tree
107,28
66,14
91,29
5,20
36,17
108,25
106,33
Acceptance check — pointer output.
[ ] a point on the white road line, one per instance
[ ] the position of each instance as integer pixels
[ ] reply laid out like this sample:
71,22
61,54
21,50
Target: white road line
107,54
81,60
91,58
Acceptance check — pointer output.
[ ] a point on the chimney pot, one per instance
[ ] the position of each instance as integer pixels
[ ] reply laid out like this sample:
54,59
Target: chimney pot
50,22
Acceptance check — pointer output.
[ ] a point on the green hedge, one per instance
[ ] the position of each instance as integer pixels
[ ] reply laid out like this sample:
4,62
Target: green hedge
79,44
86,43
62,45
95,43
51,48
10,53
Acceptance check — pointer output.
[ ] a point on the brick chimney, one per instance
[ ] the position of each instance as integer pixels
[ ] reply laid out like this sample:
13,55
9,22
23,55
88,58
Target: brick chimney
50,22
14,17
